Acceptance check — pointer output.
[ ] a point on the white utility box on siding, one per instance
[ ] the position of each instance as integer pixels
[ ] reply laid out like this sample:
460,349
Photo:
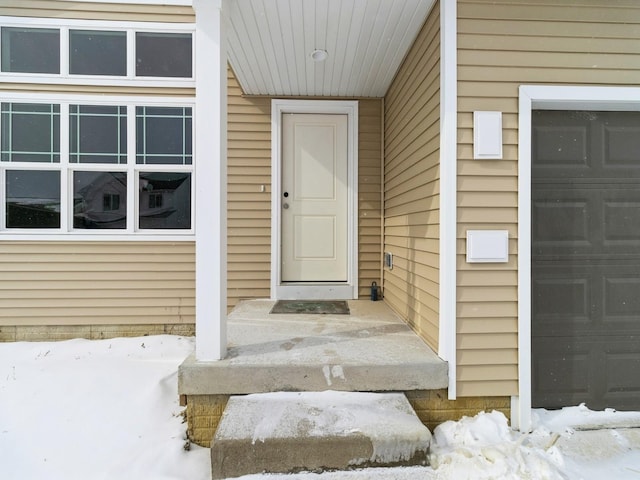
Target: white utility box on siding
487,135
487,246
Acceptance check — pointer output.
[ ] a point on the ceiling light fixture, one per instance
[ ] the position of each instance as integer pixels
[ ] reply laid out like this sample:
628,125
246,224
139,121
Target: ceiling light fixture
319,55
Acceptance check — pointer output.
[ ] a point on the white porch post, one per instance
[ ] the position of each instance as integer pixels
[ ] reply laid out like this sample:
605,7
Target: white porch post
211,181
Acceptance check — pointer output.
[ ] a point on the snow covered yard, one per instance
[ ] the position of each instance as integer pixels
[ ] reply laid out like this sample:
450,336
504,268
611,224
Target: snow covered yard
109,409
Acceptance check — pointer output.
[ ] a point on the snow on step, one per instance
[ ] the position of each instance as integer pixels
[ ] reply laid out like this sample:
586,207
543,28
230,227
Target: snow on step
309,431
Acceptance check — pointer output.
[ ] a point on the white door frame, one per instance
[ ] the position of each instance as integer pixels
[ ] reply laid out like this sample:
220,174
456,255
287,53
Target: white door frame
545,98
338,291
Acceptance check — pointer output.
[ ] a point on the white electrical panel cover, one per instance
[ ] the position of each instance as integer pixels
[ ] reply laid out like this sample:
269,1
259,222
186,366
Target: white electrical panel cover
487,246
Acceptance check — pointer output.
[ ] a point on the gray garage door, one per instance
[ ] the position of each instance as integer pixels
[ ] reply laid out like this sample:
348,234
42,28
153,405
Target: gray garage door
586,259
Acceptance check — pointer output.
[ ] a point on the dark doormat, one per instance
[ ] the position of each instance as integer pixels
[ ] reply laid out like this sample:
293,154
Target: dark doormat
332,307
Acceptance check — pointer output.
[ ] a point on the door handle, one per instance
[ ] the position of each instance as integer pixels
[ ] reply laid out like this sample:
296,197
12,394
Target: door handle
285,205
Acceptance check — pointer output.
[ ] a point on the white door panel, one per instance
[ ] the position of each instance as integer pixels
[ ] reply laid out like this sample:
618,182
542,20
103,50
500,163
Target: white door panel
314,198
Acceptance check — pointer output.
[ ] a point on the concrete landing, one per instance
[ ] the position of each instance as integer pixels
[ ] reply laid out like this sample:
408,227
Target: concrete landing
371,349
314,431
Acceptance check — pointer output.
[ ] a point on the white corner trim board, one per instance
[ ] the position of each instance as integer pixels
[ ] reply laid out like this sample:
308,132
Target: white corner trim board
448,194
546,97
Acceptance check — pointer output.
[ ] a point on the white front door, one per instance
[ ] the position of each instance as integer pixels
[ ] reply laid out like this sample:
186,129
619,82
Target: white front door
314,198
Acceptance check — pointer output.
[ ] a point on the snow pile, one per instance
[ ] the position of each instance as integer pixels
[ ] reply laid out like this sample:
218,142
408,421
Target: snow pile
95,409
581,418
484,447
595,444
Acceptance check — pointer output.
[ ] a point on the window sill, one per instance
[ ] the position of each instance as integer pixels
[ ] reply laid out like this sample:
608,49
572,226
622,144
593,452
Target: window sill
52,79
92,237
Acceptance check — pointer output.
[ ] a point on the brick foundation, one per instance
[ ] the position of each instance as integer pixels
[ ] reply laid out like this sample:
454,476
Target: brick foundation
41,333
203,416
432,407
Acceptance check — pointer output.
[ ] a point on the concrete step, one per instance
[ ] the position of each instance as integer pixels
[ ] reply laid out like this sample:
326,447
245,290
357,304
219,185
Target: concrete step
286,432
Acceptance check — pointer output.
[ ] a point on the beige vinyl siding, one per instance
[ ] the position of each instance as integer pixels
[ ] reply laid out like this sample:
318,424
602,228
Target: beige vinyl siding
412,186
98,90
82,283
97,11
501,45
249,209
369,194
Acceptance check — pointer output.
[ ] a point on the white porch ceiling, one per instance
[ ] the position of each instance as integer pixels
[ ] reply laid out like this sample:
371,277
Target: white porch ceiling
270,44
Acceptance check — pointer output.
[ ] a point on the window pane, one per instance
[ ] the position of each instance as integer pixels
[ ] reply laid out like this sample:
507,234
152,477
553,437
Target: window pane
97,52
163,54
165,200
30,50
99,200
30,132
97,134
33,199
163,136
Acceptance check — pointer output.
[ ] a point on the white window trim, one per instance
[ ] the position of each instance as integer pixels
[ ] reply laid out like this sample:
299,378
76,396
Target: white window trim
130,28
65,232
538,97
349,289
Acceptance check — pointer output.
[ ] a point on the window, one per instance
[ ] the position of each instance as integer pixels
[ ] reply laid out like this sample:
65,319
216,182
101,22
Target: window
155,200
94,52
30,50
30,132
101,49
102,175
96,200
33,199
163,135
98,134
165,200
163,54
110,202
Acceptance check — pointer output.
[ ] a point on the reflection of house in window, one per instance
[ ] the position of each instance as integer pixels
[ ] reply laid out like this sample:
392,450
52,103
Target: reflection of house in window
110,202
165,200
99,200
155,200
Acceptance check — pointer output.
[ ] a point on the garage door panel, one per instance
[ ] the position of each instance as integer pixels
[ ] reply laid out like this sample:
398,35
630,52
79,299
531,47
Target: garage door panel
622,145
561,376
621,298
566,222
622,360
555,298
557,148
586,145
622,222
569,219
590,299
578,370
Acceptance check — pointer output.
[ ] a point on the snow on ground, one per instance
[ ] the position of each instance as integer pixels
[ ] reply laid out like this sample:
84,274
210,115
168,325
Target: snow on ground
109,409
103,409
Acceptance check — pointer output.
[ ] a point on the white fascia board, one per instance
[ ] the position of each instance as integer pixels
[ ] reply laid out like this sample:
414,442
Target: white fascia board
448,182
183,3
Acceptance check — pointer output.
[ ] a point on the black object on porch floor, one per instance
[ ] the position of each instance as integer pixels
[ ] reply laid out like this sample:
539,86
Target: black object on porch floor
332,307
